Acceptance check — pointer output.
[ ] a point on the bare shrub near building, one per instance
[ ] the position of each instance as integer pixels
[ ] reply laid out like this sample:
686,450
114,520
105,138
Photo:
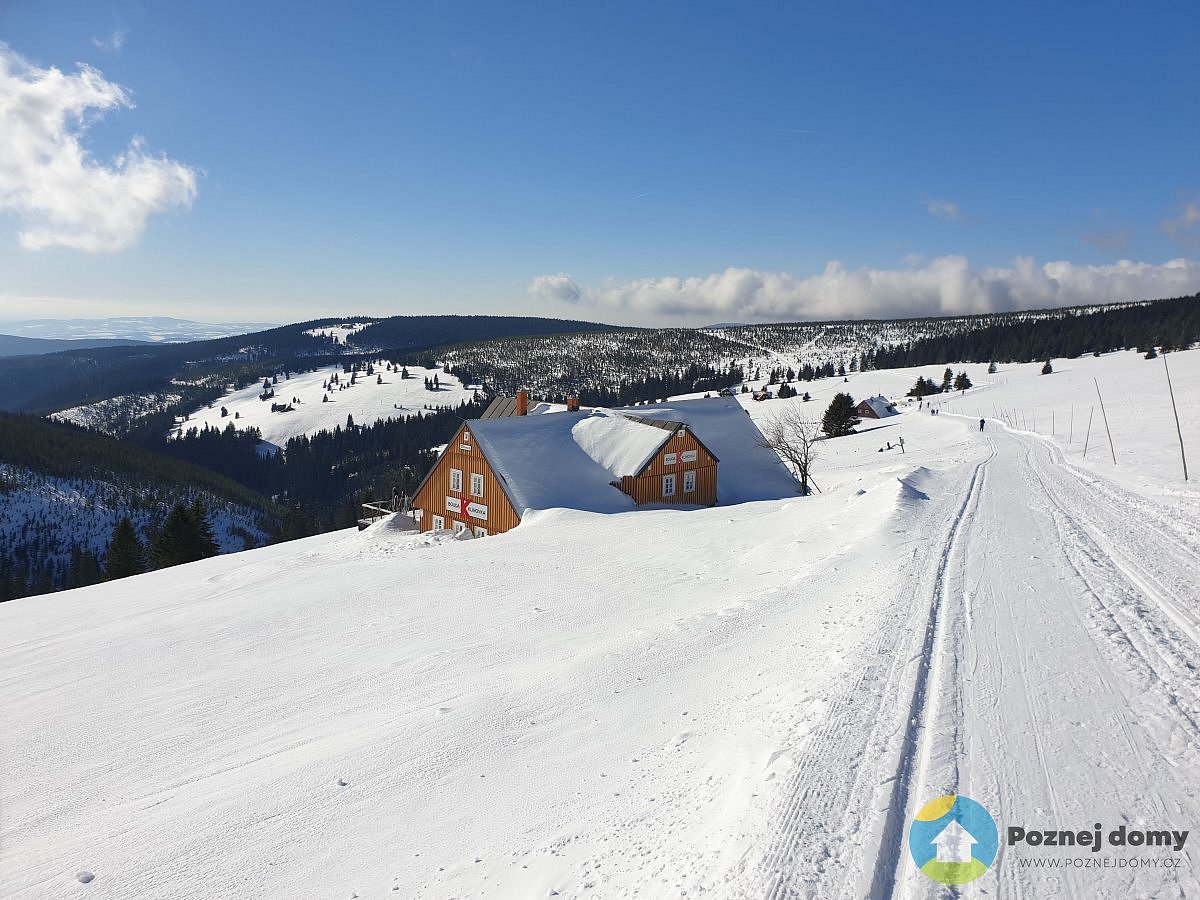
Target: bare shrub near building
794,438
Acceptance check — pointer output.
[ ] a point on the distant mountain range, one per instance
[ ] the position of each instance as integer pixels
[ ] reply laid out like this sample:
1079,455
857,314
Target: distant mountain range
151,329
14,345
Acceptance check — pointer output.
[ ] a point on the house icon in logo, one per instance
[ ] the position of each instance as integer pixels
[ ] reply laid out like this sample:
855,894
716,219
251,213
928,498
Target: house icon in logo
954,844
953,839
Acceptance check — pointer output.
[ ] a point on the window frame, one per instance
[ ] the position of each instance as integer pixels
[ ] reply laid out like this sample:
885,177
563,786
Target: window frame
669,479
456,480
439,523
689,481
474,476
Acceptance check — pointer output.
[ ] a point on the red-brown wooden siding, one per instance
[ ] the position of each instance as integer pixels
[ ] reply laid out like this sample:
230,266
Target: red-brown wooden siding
646,487
431,498
864,410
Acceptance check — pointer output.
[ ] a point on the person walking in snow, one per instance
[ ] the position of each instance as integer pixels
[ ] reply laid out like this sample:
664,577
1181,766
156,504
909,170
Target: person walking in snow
981,424
395,499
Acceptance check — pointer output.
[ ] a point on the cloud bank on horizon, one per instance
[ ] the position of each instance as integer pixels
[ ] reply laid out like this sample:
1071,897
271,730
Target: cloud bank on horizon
63,196
945,286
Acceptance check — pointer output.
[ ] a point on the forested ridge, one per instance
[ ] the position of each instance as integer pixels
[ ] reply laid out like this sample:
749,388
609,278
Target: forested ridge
318,480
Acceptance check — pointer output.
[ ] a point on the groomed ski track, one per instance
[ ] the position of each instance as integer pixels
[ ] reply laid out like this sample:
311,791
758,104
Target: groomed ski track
1042,661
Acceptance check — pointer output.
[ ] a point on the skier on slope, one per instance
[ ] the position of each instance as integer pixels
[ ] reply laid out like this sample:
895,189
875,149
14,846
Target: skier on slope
981,424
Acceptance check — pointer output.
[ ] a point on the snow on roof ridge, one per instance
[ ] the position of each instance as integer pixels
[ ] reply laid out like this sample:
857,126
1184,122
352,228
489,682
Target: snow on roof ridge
542,461
619,442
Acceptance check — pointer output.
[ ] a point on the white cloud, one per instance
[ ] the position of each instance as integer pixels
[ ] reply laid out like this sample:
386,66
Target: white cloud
112,43
64,196
555,287
947,285
942,209
1185,228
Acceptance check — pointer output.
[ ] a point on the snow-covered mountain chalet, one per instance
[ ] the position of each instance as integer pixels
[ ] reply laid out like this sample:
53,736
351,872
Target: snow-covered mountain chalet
510,461
877,407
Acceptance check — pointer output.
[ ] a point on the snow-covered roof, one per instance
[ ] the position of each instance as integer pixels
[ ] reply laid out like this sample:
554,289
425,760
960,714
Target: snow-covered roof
881,406
570,460
621,444
540,466
747,471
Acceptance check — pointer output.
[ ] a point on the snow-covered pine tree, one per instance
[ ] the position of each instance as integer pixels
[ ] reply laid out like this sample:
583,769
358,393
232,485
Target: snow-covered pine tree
840,417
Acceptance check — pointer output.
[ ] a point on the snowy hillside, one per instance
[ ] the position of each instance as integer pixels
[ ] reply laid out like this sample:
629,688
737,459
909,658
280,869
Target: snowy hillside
44,519
742,701
383,394
338,333
117,415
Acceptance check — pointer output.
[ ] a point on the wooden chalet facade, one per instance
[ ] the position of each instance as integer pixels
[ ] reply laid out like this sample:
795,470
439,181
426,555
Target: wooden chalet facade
683,470
476,485
463,493
878,407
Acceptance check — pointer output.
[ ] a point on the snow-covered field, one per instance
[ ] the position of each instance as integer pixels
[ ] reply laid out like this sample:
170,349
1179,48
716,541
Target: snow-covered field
744,701
383,395
339,333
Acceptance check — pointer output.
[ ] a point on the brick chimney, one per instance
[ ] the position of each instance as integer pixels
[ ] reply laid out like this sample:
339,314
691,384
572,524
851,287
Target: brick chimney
572,404
522,402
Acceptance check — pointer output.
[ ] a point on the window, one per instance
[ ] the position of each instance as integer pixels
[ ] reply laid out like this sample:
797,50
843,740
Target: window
689,482
668,485
438,523
480,532
460,527
456,479
476,484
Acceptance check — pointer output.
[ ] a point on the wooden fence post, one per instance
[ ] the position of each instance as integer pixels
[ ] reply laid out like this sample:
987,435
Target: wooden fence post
1111,448
1175,410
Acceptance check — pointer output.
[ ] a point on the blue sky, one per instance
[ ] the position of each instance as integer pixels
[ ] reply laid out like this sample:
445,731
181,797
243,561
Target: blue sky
642,163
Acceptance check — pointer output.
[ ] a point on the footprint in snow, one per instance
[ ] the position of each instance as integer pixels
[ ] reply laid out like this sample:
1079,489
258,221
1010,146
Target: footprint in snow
85,877
342,782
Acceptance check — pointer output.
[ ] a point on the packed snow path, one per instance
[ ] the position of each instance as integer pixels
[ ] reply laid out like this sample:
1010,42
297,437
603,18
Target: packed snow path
744,701
1046,667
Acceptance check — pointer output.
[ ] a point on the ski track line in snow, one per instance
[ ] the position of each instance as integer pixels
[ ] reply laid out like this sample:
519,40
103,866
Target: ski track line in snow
1120,621
1148,646
1166,537
818,801
931,684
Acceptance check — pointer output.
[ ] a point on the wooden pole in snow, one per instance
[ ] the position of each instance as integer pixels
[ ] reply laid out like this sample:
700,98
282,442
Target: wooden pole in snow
1111,448
1178,430
1071,436
1089,432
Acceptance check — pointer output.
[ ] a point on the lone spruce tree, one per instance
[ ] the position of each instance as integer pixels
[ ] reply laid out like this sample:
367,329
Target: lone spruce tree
206,539
126,556
186,536
841,416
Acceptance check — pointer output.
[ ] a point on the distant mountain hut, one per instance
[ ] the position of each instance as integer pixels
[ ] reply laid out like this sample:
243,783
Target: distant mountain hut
877,407
512,460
